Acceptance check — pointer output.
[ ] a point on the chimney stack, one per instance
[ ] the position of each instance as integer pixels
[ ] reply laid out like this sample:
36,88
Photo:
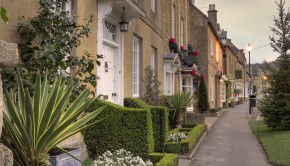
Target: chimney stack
212,16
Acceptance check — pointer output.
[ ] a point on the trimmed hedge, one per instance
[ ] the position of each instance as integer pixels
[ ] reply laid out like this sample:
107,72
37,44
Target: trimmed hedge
187,144
164,159
159,121
127,128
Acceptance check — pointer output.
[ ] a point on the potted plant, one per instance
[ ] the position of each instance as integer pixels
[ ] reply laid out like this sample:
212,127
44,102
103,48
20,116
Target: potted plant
35,124
179,102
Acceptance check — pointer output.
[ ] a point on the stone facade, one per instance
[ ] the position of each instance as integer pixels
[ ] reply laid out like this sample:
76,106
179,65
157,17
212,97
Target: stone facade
8,57
204,37
149,30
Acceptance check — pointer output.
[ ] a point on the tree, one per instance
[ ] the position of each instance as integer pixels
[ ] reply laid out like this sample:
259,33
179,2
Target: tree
203,104
152,94
51,37
275,106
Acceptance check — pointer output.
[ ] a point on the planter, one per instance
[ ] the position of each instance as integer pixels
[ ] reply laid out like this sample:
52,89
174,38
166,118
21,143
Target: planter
58,158
232,104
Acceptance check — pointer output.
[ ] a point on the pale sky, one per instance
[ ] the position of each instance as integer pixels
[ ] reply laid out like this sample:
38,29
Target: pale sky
247,21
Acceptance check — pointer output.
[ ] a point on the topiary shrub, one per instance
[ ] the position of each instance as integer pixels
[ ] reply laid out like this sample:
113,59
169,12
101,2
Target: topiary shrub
159,121
127,128
164,159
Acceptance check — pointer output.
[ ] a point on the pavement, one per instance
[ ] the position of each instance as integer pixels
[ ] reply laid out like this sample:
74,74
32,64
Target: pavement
228,141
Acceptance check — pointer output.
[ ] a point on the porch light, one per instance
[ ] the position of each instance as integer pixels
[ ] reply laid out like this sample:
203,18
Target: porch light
123,23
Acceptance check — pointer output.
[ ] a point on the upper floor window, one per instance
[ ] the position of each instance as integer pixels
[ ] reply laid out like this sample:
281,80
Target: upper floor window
211,45
173,21
154,58
181,32
153,5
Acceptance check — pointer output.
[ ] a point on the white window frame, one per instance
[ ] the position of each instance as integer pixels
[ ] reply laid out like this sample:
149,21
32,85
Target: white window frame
135,67
211,46
188,86
168,83
212,88
173,20
153,6
154,58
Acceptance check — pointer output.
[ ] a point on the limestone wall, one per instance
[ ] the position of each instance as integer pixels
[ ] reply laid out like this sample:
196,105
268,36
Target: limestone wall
8,57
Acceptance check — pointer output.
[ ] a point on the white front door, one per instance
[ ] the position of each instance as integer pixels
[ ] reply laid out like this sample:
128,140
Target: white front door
108,75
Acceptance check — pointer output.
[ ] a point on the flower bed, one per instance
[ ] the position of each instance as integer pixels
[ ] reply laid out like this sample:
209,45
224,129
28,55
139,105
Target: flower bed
187,144
120,157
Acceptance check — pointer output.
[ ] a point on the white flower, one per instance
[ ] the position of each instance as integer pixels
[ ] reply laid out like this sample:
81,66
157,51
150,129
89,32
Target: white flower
176,137
120,157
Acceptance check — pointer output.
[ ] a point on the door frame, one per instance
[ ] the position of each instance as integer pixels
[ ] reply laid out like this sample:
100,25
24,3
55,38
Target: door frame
103,12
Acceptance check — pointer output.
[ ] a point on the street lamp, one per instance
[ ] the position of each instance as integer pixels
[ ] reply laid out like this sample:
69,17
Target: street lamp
249,49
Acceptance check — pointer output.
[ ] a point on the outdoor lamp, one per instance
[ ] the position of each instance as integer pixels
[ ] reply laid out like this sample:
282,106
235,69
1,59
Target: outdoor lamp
249,49
123,23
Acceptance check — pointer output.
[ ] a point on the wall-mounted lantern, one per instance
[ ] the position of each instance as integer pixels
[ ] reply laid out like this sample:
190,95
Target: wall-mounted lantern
123,23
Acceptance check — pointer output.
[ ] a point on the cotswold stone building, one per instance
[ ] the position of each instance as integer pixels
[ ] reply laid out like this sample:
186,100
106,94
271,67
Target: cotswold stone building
204,36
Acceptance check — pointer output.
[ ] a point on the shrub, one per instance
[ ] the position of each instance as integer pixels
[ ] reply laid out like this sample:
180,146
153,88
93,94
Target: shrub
35,124
164,159
159,121
179,102
127,128
203,103
187,144
120,157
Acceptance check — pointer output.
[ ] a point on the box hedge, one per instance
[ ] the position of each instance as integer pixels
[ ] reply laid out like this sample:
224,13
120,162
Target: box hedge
187,144
159,121
164,159
127,128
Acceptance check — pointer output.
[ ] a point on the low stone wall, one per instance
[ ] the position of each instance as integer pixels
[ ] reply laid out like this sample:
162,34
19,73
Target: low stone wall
194,118
8,57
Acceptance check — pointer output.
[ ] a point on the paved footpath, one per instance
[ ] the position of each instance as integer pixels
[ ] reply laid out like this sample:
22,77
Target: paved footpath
230,142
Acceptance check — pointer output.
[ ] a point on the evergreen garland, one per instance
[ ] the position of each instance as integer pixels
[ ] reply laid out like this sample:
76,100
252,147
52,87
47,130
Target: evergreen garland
187,57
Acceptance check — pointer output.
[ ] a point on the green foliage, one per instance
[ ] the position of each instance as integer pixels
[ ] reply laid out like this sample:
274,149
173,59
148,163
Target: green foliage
185,145
159,121
228,90
33,125
50,38
275,107
202,104
3,14
276,143
152,94
187,57
179,102
127,128
167,159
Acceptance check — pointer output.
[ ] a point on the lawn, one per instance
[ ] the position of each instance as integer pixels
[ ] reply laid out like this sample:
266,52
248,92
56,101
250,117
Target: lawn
275,143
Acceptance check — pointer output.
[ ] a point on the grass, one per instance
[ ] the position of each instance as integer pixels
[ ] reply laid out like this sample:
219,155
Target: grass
276,143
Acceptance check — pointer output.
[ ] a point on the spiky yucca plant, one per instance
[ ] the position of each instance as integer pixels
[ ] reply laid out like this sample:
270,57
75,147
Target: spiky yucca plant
179,102
33,125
